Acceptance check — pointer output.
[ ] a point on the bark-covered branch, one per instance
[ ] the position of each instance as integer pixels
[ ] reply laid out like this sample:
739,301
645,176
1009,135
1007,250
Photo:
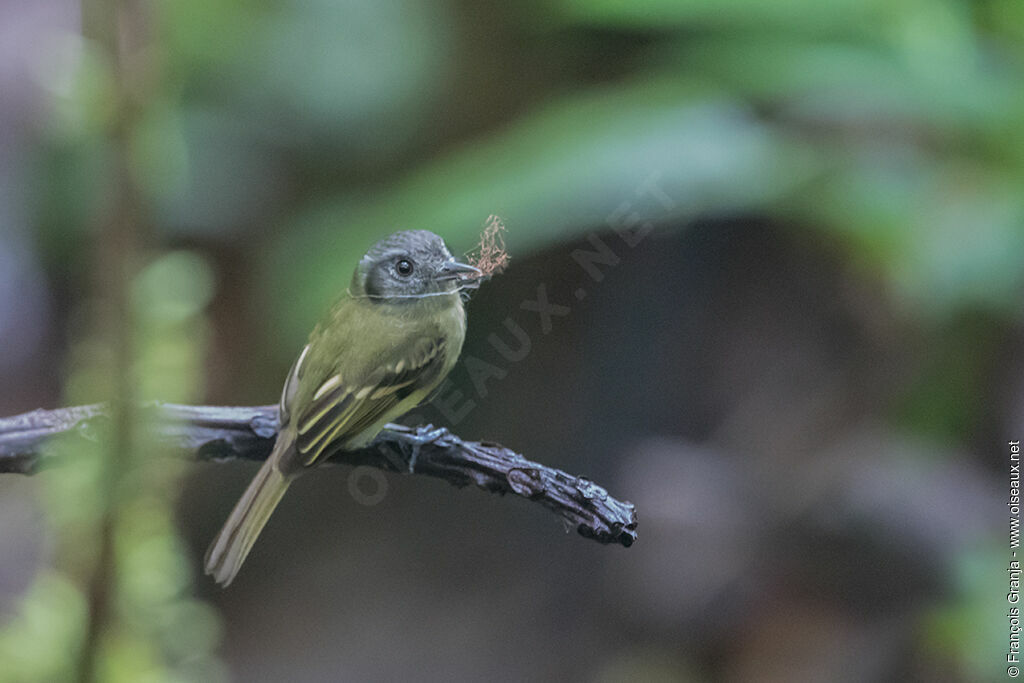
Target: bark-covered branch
209,433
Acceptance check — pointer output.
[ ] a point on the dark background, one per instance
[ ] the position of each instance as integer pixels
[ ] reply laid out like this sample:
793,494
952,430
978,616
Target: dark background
804,375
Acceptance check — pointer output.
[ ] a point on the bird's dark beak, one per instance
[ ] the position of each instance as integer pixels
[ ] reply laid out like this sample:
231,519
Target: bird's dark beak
462,272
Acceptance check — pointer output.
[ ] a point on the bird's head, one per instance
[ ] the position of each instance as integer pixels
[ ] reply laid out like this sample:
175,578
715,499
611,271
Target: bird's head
409,265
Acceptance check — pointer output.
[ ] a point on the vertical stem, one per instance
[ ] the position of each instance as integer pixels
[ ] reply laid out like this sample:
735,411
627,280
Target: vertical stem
110,25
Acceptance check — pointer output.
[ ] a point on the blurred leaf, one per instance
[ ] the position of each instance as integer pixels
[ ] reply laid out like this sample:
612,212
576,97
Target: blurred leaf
858,84
41,643
971,630
788,14
661,147
946,400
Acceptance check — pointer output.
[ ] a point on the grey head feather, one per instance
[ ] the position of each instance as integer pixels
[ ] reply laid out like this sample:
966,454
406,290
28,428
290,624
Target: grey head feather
403,266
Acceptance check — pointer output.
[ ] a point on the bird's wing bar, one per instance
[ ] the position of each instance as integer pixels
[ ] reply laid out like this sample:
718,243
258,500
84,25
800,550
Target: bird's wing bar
291,386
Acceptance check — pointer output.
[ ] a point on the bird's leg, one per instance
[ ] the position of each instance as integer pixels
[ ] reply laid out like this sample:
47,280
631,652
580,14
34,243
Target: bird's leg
421,436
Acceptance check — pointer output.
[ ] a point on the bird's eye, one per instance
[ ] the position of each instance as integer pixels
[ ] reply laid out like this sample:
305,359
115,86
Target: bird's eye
404,267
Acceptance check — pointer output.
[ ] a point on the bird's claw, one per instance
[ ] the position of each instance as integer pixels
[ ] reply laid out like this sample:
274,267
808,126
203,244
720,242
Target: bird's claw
423,436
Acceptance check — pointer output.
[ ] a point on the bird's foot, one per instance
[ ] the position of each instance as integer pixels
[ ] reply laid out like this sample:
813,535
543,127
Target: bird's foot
423,435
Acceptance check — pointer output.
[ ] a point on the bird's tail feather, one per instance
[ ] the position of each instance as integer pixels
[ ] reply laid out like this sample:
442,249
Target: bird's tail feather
232,545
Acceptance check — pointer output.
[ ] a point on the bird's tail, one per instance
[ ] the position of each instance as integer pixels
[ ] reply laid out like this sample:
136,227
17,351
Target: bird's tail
232,545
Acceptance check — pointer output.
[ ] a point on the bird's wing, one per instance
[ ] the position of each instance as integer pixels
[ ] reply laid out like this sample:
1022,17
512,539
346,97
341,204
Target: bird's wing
342,409
291,387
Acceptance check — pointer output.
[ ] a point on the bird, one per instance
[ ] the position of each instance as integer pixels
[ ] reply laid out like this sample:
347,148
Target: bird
381,350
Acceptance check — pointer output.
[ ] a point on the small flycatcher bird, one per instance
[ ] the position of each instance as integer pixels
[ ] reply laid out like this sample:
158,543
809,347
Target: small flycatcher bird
380,351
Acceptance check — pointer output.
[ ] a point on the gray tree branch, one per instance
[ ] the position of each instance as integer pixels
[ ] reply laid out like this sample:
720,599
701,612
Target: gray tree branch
220,434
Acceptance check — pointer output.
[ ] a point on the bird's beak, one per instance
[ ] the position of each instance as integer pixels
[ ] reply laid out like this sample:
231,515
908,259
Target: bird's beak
462,272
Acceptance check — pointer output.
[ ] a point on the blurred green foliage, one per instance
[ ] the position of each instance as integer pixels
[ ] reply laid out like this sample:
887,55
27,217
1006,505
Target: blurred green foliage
157,631
894,127
294,134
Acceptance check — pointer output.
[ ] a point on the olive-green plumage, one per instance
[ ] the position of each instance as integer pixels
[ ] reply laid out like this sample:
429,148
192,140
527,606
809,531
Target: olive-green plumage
380,351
